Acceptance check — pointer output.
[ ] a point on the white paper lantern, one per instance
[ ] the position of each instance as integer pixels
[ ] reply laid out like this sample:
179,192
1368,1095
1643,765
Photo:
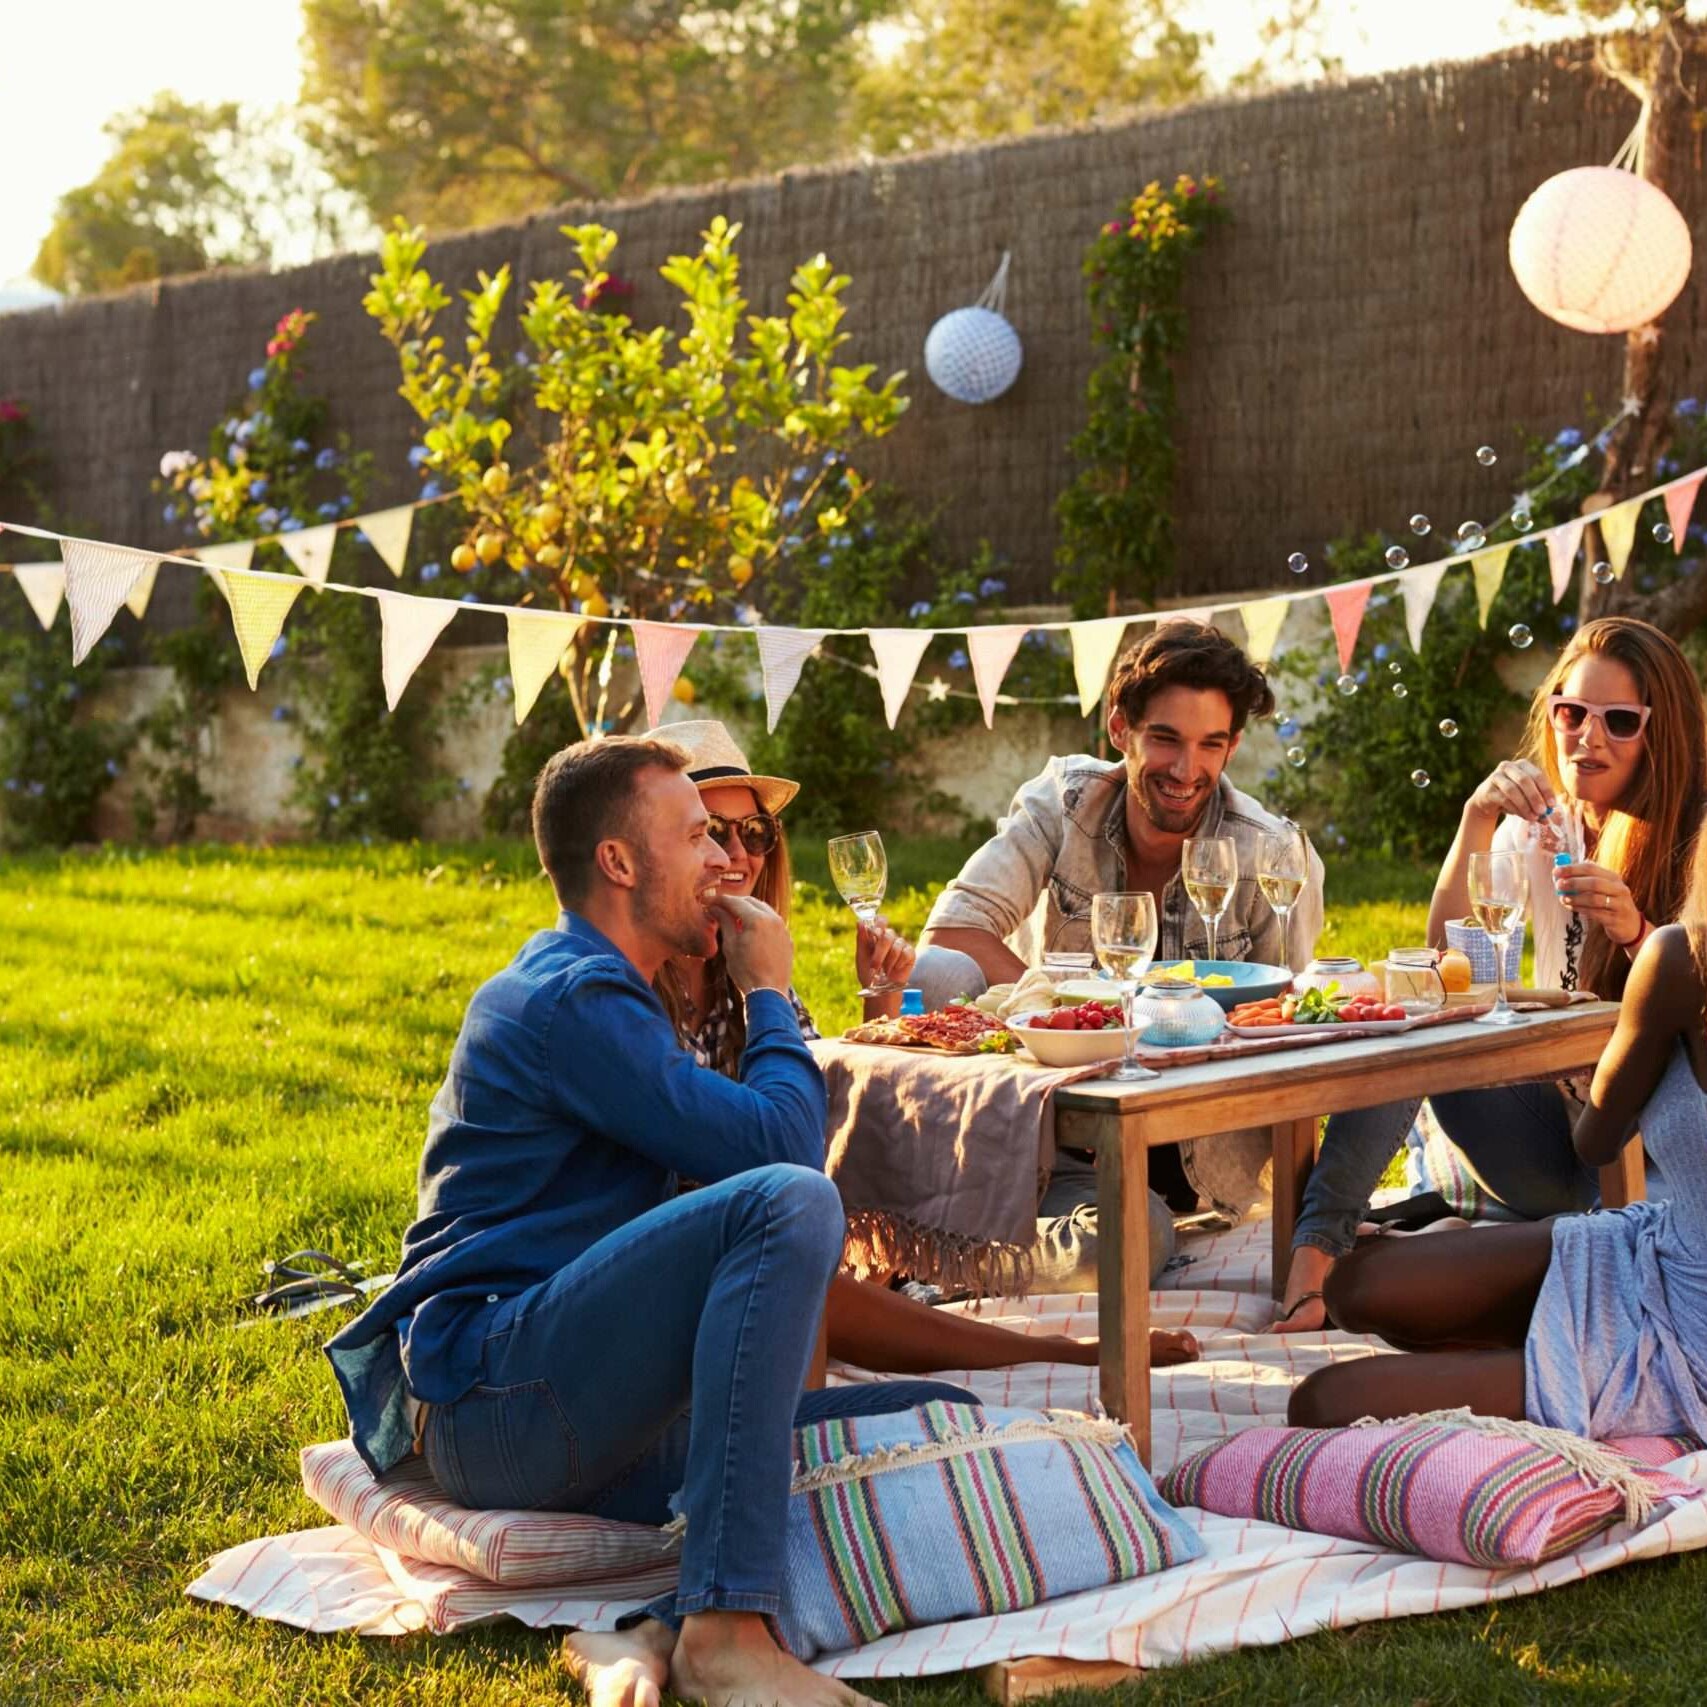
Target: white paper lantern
973,354
1600,249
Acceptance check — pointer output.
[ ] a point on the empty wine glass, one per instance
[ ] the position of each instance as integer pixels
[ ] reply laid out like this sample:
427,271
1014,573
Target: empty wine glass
1499,891
1209,866
859,868
1123,933
1283,868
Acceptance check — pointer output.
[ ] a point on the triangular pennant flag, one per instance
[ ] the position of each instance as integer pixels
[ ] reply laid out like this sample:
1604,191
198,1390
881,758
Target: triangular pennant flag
1562,543
782,653
897,651
98,579
1489,569
1680,505
1618,530
992,651
238,554
387,531
660,649
407,629
538,640
1418,588
1345,606
259,606
310,549
1263,619
43,584
1095,644
137,601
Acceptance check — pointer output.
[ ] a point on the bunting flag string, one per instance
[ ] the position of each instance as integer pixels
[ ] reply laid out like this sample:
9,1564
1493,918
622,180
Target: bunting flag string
1096,644
538,639
992,650
898,652
136,600
782,655
259,605
1346,605
238,554
407,629
1680,506
1562,545
388,531
660,649
1618,530
1263,619
1420,590
98,579
310,549
43,584
1488,567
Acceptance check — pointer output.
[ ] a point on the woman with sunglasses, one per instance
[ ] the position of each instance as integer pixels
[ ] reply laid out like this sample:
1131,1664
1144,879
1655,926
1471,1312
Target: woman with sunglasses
1618,736
869,1325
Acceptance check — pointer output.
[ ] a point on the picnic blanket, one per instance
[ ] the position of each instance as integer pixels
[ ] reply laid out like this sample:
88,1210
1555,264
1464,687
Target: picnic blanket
1256,1584
961,1210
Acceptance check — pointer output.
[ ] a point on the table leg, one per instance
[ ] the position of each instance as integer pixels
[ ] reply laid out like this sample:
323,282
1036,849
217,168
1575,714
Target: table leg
1625,1178
1123,1276
1294,1156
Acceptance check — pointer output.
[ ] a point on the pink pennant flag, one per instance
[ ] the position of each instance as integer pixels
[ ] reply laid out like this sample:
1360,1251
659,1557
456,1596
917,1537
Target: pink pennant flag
1345,606
1680,505
782,653
660,649
897,651
1562,544
992,650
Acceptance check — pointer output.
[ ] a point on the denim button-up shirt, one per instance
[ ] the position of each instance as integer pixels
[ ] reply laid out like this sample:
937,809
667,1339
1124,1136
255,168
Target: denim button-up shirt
1064,841
569,1109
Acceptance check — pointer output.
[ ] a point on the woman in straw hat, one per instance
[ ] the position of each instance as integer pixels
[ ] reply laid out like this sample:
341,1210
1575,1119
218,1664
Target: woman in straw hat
869,1325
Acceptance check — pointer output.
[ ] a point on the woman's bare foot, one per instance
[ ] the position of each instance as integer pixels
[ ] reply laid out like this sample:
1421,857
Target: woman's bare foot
1302,1310
621,1668
1169,1346
727,1659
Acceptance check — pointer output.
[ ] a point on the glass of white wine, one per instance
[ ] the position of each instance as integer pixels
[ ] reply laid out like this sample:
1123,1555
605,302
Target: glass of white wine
1209,866
1283,868
1123,933
859,868
1499,891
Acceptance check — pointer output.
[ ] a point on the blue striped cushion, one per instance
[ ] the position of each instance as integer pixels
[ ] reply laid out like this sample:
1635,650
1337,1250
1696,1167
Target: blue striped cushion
961,1511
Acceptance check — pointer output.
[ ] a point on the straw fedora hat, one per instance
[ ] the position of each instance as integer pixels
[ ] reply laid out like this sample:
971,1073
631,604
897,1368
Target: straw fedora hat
714,759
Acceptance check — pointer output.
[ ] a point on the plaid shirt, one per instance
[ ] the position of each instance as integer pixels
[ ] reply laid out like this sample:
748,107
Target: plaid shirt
707,1042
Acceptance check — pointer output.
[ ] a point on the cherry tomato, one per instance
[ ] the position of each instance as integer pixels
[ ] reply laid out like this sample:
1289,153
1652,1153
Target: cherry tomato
1064,1019
1392,1011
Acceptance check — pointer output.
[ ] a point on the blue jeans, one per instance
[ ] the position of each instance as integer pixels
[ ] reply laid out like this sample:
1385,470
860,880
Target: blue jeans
712,1298
1065,1255
1516,1139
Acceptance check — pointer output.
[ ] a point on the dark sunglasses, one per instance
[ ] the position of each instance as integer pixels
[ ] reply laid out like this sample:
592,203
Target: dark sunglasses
759,834
1621,722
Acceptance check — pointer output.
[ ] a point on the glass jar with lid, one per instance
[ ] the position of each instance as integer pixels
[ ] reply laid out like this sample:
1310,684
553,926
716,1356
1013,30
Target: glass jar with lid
1414,982
1174,1014
1350,978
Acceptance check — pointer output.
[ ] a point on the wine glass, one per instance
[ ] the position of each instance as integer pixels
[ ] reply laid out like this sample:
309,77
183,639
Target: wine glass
1123,933
1283,868
1210,867
859,868
1499,891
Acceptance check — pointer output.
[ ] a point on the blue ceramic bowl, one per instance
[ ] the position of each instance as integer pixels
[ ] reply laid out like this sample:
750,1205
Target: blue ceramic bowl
1252,981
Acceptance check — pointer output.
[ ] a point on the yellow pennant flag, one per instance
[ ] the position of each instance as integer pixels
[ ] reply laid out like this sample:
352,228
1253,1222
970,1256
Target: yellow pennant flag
1262,619
1489,569
538,640
387,531
1095,644
1618,530
259,606
137,600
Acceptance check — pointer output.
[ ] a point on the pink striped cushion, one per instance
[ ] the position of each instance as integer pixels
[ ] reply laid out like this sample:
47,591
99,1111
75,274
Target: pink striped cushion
520,1549
1444,1491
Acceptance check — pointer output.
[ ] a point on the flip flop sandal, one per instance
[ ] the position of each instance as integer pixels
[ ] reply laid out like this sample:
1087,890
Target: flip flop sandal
304,1264
1297,1305
310,1280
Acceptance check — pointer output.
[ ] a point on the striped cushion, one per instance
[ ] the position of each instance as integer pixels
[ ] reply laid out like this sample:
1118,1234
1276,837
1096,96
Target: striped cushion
1447,1491
957,1511
520,1549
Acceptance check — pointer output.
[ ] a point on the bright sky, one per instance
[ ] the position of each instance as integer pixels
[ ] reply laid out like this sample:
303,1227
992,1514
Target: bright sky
72,63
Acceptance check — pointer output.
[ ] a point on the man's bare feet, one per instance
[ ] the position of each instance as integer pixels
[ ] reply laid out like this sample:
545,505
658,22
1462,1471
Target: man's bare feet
1302,1310
1169,1346
727,1659
621,1668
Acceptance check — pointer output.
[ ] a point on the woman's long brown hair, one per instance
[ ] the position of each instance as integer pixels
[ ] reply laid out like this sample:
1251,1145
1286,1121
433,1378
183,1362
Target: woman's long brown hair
774,888
1649,839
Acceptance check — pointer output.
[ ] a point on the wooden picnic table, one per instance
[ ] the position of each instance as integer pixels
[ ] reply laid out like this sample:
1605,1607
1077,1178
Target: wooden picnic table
1286,1091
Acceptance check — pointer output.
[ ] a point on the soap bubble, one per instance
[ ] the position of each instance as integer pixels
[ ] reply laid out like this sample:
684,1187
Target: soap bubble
1400,691
1298,563
1347,685
1287,728
1487,455
1662,533
1471,536
1602,572
1396,668
1449,729
1518,634
1419,524
1296,757
1398,557
1420,778
1522,520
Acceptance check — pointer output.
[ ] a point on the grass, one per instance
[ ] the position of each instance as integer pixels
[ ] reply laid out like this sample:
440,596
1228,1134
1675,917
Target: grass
208,1057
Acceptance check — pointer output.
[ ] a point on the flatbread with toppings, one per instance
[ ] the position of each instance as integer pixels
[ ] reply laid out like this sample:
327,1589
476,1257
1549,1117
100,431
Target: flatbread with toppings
883,1031
950,1031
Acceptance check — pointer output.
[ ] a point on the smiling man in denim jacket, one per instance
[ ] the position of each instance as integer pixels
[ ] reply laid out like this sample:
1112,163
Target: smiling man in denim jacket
1178,703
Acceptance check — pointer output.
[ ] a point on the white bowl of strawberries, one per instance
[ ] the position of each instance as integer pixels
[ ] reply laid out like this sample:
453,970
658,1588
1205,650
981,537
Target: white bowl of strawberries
1076,1036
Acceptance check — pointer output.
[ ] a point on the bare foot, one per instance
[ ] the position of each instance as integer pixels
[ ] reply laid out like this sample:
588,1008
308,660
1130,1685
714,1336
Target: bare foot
1299,1312
1169,1346
621,1668
727,1659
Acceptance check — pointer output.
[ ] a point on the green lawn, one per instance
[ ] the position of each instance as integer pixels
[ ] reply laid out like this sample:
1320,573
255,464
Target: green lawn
208,1057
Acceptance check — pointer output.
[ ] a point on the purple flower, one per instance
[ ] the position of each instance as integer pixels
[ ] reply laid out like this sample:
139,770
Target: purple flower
257,378
790,507
1567,623
112,767
957,659
430,571
35,790
417,455
328,458
1688,406
1381,651
290,524
257,490
474,599
334,801
504,688
280,647
1568,439
268,518
991,588
281,714
964,597
432,489
921,608
170,513
825,559
328,512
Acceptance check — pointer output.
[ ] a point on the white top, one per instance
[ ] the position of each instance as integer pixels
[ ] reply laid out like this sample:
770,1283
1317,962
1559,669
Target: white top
1547,915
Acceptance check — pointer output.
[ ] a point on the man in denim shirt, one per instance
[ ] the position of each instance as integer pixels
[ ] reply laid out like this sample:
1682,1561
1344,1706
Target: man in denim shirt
1178,702
558,1304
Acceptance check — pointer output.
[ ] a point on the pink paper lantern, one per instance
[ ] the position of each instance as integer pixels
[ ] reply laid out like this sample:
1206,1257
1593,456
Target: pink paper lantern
1600,250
